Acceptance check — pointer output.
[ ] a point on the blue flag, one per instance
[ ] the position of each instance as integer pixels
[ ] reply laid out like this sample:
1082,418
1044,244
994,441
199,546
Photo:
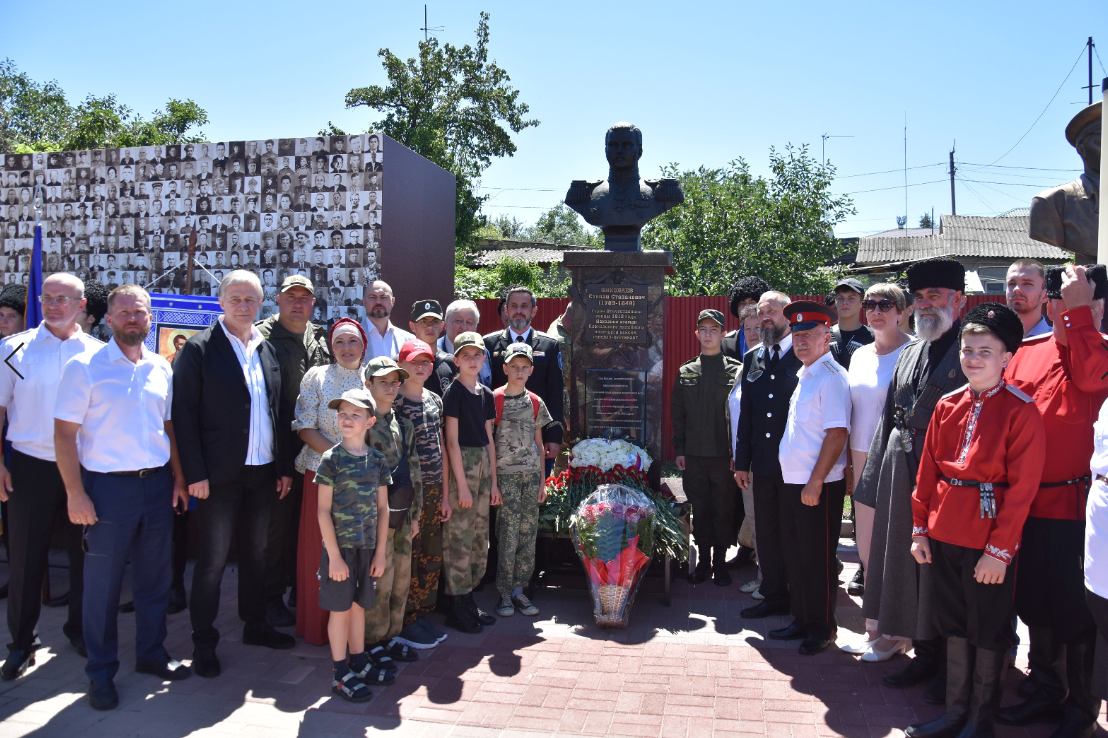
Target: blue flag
34,284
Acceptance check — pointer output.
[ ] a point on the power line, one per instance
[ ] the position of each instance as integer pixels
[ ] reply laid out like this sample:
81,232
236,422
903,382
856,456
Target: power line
889,171
894,187
1003,166
978,196
1052,97
1009,184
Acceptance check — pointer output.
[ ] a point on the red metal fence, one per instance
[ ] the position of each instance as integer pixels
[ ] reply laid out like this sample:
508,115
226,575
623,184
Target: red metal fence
680,339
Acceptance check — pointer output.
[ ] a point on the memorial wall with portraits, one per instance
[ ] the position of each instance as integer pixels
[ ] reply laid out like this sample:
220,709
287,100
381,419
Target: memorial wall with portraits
279,206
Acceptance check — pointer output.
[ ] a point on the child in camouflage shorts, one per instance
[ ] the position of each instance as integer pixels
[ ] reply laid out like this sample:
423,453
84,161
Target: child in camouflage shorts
520,417
469,409
394,437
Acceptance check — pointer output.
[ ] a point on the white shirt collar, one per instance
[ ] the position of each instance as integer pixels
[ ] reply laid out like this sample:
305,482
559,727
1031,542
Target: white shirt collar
784,345
371,328
255,334
520,338
115,353
819,366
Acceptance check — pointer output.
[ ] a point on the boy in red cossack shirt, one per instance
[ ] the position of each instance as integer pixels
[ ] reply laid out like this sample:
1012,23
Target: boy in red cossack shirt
978,474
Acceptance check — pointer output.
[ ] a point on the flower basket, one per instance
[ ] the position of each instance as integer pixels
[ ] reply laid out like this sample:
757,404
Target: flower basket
599,461
613,532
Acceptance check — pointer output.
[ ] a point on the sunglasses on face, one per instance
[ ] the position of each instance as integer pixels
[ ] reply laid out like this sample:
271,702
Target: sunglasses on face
883,305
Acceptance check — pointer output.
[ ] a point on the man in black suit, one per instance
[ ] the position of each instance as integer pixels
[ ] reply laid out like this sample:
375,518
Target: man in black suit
227,413
769,377
546,380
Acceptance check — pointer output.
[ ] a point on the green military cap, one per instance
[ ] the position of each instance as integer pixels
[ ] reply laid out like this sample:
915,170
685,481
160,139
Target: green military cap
357,396
710,314
519,349
468,338
297,280
382,366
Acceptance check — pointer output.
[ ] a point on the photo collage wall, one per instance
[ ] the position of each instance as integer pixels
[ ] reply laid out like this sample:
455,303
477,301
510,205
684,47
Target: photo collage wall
279,206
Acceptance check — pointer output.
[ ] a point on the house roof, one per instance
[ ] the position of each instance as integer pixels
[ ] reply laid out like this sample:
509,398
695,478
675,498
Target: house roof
962,236
537,253
902,232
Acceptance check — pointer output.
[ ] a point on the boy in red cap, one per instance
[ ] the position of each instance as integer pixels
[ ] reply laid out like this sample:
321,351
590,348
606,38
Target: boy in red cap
423,409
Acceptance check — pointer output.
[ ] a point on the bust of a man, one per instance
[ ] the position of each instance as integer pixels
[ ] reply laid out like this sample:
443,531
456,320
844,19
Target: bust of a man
622,204
1066,216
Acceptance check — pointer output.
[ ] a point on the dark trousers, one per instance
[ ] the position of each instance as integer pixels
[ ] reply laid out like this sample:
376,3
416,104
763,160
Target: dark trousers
180,549
965,608
280,551
710,486
813,536
239,508
37,500
768,489
1099,608
134,522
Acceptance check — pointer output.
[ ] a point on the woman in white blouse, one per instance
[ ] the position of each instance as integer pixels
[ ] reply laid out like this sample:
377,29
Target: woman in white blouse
871,371
318,428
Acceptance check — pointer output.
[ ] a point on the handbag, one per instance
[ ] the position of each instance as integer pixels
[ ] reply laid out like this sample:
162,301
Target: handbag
401,491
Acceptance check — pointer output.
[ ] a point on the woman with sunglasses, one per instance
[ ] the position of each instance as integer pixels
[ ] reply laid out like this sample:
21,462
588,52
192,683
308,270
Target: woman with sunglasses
871,371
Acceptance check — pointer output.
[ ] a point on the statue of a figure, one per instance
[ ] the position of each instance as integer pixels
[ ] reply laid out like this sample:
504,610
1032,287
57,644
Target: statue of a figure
1067,216
622,204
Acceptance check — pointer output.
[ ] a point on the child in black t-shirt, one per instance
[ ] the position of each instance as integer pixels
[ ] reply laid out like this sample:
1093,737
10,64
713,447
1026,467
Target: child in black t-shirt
470,410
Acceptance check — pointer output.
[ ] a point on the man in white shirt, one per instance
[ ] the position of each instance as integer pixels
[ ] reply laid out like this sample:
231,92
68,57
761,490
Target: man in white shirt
32,487
123,484
1025,290
226,412
385,339
813,463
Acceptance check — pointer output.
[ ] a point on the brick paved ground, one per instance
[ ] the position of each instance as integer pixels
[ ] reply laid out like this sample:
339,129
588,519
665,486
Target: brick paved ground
693,669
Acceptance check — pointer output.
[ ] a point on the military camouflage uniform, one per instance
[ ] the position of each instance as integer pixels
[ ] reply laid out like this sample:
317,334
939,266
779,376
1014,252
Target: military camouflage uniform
465,536
426,417
389,435
519,475
354,481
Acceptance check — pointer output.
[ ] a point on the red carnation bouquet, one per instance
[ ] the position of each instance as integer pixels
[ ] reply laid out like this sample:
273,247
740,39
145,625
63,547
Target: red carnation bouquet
613,531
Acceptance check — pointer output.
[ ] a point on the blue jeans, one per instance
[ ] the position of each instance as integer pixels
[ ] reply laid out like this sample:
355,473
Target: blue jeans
135,522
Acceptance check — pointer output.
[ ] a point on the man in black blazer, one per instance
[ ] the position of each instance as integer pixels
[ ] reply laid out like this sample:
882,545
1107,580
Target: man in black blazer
228,418
546,380
769,376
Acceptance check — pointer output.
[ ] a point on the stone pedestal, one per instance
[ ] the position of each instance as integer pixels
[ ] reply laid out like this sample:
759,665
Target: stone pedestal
617,328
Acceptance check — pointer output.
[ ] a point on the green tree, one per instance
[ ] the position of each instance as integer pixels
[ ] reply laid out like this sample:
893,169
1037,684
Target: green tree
490,281
38,117
454,107
925,221
563,226
733,224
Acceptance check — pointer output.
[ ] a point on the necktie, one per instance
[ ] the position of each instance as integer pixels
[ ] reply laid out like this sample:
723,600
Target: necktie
776,355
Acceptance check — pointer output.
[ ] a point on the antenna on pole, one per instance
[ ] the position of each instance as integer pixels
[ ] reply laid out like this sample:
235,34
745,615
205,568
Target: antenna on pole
1090,45
823,149
428,29
905,170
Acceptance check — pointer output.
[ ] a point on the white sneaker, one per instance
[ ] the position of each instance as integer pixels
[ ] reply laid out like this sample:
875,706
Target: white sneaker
524,605
505,608
750,586
758,595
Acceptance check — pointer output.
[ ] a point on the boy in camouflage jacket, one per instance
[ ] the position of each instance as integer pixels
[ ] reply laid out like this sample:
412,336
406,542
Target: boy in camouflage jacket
394,437
520,419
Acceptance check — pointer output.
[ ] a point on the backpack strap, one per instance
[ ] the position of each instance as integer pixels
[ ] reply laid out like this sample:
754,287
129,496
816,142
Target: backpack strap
498,400
498,395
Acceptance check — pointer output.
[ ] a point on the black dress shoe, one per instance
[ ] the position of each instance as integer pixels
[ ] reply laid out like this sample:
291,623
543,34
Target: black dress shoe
791,633
78,642
857,586
764,610
17,663
267,636
277,615
1037,709
813,645
205,663
178,602
919,670
482,617
102,695
168,671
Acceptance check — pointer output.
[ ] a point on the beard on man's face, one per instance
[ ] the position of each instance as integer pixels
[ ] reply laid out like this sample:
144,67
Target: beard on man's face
128,335
932,322
771,333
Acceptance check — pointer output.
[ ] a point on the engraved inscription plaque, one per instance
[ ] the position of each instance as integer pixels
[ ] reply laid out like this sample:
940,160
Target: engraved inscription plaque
616,313
615,404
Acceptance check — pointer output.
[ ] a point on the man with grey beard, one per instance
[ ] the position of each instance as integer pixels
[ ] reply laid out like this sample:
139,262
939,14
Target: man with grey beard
898,590
769,376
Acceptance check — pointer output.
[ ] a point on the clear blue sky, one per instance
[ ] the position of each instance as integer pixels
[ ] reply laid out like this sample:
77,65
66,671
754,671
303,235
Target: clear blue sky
707,82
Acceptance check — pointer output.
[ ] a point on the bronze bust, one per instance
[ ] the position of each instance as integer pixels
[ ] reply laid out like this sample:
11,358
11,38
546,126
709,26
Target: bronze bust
622,204
1066,216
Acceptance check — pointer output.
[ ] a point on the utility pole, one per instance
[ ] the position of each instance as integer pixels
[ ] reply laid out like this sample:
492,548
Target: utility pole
953,207
1089,44
426,28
